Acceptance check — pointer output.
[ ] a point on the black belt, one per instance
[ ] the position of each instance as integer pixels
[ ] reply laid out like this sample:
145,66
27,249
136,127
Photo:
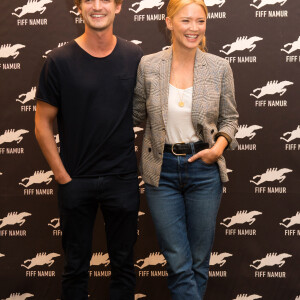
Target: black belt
183,149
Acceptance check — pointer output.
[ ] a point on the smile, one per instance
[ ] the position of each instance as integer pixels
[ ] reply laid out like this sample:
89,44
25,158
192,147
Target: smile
191,36
98,16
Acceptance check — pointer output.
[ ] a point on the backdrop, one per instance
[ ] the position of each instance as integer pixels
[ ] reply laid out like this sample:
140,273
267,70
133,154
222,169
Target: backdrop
256,250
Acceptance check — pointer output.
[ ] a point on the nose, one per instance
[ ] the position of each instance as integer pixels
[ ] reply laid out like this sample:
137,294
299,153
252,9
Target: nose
97,4
193,26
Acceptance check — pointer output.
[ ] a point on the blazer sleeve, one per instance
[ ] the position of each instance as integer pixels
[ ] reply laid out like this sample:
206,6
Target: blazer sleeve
228,115
140,96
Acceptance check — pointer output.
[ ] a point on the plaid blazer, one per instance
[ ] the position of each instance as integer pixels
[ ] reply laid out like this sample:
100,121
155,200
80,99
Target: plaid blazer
213,107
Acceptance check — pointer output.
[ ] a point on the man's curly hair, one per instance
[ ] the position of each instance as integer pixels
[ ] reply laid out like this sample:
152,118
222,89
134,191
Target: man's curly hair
78,2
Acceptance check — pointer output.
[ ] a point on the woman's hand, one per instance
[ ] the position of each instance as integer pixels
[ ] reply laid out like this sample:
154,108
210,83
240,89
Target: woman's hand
210,156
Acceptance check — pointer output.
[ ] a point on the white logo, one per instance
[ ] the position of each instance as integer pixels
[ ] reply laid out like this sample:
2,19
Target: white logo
10,50
295,46
152,260
246,297
147,4
245,131
214,2
28,96
38,177
295,134
32,7
55,223
242,217
136,130
14,218
18,296
74,11
58,46
139,296
267,2
100,259
270,260
218,259
272,175
294,220
56,138
297,298
271,88
12,136
40,259
242,43
137,43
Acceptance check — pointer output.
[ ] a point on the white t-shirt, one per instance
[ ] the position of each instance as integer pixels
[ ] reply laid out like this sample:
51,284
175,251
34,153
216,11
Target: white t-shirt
179,126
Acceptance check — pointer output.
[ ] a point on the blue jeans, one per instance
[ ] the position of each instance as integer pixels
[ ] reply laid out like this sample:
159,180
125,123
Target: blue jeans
184,209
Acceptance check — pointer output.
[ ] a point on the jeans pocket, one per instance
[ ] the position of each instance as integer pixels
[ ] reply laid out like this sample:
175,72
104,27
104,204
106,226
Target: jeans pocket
65,184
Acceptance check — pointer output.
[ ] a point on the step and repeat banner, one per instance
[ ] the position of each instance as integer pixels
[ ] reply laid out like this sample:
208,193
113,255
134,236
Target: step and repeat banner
256,251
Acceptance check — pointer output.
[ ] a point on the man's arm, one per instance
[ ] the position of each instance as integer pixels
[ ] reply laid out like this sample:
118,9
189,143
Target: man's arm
44,118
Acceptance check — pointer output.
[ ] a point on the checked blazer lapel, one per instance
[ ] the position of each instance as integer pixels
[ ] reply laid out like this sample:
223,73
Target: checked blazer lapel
164,79
200,95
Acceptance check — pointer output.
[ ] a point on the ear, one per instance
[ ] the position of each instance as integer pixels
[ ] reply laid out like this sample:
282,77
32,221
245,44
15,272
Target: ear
169,23
118,8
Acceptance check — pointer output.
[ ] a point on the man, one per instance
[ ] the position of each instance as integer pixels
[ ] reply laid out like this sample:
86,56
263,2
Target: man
88,85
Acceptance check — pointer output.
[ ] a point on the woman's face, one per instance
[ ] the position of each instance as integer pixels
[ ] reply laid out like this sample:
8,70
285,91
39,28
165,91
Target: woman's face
188,26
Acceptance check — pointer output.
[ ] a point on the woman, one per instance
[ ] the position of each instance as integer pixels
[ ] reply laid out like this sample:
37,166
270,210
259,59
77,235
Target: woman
187,99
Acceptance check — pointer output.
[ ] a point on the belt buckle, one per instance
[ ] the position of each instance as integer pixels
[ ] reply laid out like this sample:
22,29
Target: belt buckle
177,154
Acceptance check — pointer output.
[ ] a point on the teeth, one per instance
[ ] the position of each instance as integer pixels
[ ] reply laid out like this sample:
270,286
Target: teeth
192,36
98,16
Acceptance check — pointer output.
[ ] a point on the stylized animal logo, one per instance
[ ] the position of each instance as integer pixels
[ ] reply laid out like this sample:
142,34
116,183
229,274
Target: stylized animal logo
245,131
214,2
139,296
267,2
246,297
55,223
58,46
272,175
100,259
295,46
40,259
294,220
270,260
10,50
136,42
242,217
32,7
152,260
38,177
18,296
147,4
11,135
75,11
271,88
242,43
218,259
28,96
295,134
14,218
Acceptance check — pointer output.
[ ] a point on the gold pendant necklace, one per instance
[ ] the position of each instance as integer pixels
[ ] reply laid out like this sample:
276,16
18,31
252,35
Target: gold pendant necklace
181,102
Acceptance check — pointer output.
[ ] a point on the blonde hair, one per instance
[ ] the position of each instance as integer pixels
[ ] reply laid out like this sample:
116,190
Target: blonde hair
175,5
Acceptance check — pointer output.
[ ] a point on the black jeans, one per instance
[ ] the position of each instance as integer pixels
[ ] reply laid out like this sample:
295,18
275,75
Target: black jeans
118,197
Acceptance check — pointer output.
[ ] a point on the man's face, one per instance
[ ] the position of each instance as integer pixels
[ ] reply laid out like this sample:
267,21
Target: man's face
99,15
